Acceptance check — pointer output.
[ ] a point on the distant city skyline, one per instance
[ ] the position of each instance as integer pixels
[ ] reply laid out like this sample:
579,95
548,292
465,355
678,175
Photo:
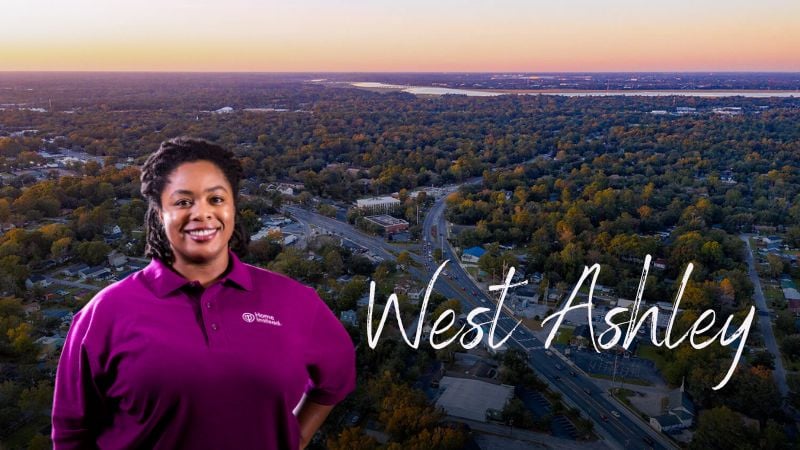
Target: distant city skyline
379,36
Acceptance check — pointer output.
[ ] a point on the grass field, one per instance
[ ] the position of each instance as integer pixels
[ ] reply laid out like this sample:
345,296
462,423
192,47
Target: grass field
650,353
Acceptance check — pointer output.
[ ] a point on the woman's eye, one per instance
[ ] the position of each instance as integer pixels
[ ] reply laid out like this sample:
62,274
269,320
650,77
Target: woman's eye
183,203
217,200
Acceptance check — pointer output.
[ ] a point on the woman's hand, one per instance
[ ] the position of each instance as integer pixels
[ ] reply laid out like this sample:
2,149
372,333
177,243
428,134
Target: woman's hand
310,417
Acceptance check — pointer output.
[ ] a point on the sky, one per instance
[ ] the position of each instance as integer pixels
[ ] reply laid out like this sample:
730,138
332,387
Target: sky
407,36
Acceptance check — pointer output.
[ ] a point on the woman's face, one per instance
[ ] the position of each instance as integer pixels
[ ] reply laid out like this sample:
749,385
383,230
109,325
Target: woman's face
197,211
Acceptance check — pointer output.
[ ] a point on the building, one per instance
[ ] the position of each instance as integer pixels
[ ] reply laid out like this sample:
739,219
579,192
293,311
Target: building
37,280
472,399
665,423
50,345
525,295
680,413
349,317
792,299
377,204
74,270
472,255
95,273
117,259
389,224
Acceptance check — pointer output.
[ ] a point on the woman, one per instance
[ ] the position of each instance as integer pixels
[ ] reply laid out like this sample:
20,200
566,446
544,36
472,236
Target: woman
199,350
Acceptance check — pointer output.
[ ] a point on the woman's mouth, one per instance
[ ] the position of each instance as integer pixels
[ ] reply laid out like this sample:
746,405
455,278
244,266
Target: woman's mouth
202,234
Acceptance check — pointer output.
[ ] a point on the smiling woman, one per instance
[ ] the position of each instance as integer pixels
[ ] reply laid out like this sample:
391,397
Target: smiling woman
198,220
199,350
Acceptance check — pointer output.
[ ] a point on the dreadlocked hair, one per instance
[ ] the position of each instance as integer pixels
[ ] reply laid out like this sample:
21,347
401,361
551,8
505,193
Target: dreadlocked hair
155,173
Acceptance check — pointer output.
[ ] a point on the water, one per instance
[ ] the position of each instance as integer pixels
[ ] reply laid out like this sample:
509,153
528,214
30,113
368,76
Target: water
429,90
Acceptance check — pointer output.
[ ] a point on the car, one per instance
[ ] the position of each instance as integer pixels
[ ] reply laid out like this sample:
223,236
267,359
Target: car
588,392
557,378
573,373
559,367
548,353
615,413
604,417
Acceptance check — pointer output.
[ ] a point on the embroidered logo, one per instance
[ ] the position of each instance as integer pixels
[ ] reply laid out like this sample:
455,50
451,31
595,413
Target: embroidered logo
261,318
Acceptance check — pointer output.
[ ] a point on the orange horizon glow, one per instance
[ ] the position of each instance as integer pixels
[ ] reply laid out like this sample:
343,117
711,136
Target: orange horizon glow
363,36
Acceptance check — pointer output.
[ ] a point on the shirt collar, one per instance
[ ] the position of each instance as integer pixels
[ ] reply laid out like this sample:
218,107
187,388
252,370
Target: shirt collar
163,280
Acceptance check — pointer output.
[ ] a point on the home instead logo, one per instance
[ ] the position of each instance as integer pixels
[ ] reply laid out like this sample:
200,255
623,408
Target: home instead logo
261,318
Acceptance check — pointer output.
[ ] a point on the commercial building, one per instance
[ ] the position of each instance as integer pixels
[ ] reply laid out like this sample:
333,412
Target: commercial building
472,399
389,224
377,204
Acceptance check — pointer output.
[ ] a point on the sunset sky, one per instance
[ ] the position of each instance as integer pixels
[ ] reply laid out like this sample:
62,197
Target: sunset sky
411,35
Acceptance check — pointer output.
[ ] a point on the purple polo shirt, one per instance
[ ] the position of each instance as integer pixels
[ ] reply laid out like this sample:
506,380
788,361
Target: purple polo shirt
156,361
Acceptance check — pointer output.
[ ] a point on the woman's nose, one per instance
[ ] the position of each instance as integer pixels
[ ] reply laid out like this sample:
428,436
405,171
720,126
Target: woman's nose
202,210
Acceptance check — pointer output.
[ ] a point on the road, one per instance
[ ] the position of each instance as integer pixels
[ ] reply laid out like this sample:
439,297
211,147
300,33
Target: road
74,284
764,322
625,431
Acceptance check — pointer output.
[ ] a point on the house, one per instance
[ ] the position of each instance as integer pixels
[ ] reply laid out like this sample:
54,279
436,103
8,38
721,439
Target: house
415,295
31,308
124,274
349,317
74,270
37,281
117,259
363,301
793,299
525,295
95,273
113,234
794,306
50,346
472,255
289,239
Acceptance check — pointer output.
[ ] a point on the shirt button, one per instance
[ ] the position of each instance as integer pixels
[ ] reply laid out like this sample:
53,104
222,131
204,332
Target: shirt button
214,327
208,305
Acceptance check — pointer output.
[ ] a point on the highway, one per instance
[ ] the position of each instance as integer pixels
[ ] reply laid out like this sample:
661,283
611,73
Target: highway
625,431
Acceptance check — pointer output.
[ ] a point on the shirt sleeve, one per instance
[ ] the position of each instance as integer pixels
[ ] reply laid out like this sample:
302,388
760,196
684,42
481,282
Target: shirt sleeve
331,357
77,400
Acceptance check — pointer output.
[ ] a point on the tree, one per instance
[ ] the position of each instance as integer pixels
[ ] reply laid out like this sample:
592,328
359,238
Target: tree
40,442
774,438
404,258
60,247
327,210
775,265
333,263
515,412
92,252
350,293
250,221
722,428
764,359
790,347
352,438
263,251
